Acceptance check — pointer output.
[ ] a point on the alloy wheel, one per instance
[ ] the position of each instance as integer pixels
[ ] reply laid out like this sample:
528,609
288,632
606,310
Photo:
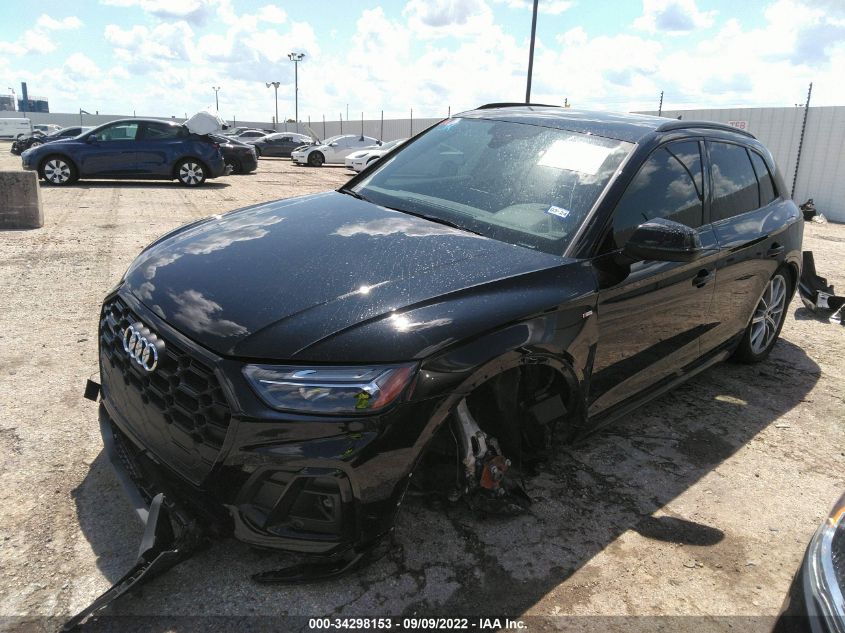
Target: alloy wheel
191,173
768,315
57,171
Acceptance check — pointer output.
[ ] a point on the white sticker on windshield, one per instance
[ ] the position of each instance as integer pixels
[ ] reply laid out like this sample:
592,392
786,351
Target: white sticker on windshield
573,155
561,213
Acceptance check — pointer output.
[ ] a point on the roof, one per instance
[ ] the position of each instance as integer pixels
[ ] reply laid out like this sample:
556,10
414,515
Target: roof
625,127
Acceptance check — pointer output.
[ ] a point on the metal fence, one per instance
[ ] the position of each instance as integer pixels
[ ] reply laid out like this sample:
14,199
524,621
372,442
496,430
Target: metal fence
382,129
821,171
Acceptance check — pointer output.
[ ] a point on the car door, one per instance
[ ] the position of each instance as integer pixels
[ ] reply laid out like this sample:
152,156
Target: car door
651,314
749,217
280,146
159,146
337,150
112,152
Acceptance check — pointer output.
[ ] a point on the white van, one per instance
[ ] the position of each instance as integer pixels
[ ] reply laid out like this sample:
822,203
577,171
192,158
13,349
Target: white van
15,127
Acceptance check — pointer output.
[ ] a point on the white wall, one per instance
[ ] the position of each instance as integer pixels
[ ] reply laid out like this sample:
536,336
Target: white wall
821,174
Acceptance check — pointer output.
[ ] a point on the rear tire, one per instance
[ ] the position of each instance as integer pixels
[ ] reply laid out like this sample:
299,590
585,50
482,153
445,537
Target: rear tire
767,320
316,159
58,170
190,172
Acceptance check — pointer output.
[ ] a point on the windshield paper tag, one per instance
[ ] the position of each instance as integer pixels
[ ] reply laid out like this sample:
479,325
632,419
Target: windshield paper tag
561,213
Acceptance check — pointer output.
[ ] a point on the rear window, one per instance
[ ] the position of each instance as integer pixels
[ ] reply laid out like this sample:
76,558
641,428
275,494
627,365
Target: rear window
734,181
524,184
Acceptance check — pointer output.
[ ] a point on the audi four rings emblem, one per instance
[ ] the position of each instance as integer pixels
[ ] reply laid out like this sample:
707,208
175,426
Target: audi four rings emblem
140,344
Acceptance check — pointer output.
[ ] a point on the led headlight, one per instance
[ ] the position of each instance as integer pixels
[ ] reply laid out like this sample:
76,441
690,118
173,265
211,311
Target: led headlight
330,389
824,572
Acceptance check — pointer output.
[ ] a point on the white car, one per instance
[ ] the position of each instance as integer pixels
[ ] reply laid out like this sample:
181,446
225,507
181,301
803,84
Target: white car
333,150
358,160
15,127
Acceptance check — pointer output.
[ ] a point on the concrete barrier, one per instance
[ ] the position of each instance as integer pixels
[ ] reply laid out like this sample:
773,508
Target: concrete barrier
20,200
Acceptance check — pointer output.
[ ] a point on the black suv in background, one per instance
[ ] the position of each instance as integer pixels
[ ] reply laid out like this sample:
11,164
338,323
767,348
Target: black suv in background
512,274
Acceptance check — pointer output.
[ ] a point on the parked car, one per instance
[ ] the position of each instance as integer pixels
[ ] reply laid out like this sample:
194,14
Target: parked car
251,134
15,127
47,128
281,144
234,131
511,275
356,161
129,148
38,138
334,150
815,602
240,158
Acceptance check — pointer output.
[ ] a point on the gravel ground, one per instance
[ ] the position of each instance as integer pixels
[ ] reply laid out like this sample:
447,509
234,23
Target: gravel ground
700,504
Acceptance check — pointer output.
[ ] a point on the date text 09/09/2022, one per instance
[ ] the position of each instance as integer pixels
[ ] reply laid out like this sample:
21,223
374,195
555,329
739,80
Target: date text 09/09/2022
410,624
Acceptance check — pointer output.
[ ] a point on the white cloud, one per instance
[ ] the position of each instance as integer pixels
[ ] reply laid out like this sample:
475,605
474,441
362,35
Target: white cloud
45,22
39,40
673,16
193,11
552,7
272,13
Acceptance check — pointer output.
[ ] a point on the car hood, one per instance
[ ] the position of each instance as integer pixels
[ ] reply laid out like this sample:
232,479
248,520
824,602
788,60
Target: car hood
270,281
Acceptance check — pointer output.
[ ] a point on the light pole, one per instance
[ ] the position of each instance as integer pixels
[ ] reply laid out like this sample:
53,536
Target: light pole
216,89
275,85
296,58
531,53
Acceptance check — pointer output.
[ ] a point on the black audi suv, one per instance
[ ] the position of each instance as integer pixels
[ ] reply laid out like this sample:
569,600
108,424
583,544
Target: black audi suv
513,275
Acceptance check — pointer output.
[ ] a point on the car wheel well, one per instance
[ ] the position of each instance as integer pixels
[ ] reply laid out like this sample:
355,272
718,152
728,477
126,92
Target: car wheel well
50,157
193,158
528,410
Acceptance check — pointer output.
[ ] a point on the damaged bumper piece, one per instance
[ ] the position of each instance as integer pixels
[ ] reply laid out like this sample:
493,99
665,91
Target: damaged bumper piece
816,294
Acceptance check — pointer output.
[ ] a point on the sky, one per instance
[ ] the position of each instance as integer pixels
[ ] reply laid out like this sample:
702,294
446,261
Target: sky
162,57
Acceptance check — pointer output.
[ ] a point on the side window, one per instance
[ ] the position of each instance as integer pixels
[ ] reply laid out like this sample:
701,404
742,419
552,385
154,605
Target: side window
734,181
119,132
162,132
668,185
764,178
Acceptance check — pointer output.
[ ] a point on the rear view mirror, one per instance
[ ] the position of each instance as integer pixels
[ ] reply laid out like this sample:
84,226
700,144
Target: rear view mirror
663,240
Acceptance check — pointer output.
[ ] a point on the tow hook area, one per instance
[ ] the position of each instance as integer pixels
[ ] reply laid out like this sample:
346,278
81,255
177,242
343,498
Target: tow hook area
487,487
817,295
170,537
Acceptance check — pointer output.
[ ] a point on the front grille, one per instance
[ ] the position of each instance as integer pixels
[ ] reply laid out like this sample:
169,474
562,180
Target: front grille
178,411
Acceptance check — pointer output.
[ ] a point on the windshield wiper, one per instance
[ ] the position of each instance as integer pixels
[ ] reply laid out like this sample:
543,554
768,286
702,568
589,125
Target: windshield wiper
430,218
443,221
354,194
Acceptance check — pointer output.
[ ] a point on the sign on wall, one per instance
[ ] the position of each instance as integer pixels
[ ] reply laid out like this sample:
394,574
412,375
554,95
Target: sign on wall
740,125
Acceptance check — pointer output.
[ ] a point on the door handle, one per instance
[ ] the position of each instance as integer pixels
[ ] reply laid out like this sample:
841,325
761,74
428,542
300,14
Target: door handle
775,250
702,278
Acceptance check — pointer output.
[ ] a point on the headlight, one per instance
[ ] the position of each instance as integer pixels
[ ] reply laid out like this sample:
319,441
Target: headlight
824,574
330,389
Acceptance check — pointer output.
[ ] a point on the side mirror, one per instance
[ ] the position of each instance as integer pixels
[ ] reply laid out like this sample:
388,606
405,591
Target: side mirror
333,145
663,240
92,138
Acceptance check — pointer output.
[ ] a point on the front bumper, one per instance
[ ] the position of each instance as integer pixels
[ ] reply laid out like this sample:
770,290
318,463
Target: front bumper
310,484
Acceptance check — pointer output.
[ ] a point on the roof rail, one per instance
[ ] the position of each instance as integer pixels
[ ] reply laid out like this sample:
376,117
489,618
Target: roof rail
490,106
710,125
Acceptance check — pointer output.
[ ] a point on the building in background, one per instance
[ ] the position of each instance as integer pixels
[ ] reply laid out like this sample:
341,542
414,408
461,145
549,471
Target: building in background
7,102
34,104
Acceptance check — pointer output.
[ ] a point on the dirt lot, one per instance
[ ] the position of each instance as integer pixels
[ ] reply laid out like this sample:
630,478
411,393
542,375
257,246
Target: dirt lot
700,504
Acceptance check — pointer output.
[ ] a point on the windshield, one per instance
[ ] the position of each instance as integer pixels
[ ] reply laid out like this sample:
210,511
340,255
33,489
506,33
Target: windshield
331,139
523,184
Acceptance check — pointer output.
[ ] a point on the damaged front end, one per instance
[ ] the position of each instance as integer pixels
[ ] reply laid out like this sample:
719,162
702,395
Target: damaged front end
817,295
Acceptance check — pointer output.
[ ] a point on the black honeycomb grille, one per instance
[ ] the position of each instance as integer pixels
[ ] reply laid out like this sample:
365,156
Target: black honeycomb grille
179,409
